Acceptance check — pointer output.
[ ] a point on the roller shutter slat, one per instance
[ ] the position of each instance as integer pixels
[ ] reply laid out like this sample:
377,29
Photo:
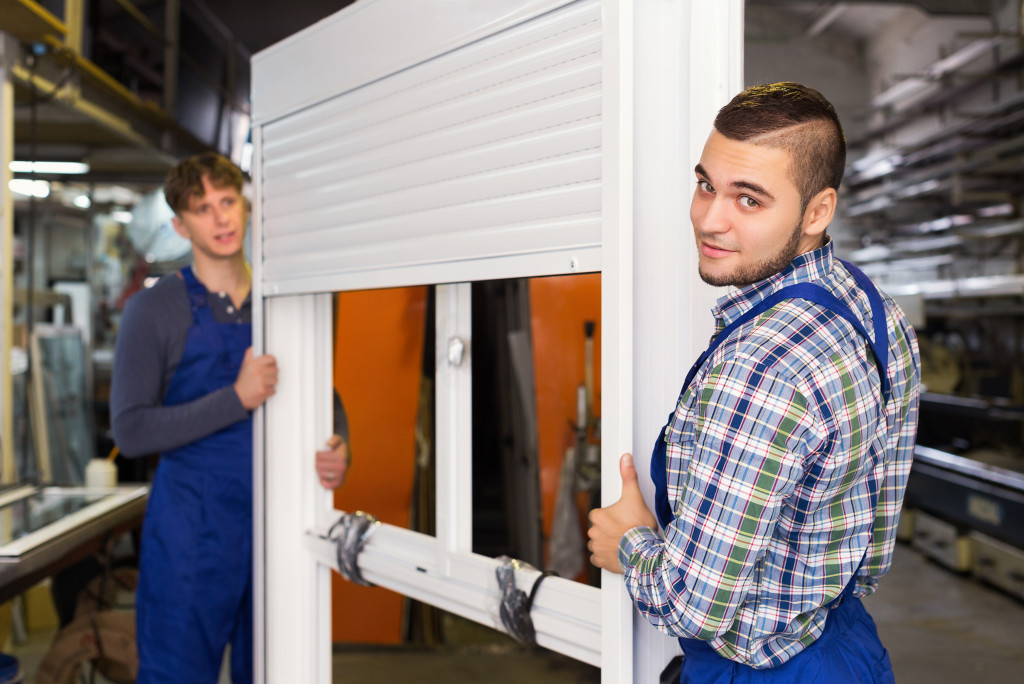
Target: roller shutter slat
492,150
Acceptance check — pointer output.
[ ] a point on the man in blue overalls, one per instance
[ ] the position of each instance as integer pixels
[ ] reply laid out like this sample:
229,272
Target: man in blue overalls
185,382
780,474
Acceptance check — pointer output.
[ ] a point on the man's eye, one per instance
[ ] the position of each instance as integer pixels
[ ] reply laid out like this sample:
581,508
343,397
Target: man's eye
705,186
749,202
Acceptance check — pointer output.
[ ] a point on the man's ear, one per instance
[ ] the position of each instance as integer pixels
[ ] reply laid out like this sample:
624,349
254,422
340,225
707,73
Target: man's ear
819,212
180,228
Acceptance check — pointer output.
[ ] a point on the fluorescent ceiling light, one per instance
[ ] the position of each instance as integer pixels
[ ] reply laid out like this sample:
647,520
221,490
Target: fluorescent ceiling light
962,57
871,253
903,90
882,167
996,210
115,194
879,163
944,223
999,230
918,189
82,201
121,216
246,163
29,188
49,167
876,204
929,244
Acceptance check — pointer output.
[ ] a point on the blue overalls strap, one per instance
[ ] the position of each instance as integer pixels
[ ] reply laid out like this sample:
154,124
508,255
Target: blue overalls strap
659,476
196,295
809,291
880,340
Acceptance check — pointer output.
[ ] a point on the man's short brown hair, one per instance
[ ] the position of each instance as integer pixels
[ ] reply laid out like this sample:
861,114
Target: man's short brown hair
185,180
795,118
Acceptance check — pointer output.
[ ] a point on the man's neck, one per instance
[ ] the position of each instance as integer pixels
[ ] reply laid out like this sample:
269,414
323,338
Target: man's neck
232,276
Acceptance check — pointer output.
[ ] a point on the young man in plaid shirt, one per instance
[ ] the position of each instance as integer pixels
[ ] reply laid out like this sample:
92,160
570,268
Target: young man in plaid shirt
780,474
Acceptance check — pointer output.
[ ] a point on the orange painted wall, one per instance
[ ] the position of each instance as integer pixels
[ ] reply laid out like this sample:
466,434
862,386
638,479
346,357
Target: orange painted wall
559,306
377,367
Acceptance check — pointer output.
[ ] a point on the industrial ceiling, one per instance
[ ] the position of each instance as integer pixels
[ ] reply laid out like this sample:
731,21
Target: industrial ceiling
132,86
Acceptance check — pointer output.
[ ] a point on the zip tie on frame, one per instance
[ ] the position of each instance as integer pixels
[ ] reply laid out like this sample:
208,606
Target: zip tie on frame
514,608
349,534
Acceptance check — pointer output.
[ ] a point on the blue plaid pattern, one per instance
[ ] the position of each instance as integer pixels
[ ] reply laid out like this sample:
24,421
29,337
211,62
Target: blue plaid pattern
775,453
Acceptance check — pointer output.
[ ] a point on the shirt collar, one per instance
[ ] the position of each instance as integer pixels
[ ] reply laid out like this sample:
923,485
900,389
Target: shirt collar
805,268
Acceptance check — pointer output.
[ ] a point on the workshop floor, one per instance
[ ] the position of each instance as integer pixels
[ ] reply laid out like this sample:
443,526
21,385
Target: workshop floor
938,626
941,627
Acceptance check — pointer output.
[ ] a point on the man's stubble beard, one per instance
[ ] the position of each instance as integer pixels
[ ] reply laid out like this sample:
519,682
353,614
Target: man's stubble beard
763,269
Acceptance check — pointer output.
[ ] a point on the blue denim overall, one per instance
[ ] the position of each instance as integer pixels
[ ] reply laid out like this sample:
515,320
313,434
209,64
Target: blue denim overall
195,567
848,651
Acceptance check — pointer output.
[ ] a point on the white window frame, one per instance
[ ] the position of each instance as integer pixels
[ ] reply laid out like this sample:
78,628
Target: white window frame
668,65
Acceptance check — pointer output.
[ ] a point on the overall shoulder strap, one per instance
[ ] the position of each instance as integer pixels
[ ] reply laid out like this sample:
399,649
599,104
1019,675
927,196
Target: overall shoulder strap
196,293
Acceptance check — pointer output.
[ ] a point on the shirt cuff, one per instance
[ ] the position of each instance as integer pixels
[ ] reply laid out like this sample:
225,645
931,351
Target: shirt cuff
232,404
633,542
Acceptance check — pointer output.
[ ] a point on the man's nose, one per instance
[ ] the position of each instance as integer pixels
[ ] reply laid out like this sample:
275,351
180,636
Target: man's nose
713,216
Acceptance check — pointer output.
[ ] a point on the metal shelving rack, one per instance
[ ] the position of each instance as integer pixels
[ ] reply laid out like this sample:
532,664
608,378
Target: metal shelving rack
939,220
932,215
102,83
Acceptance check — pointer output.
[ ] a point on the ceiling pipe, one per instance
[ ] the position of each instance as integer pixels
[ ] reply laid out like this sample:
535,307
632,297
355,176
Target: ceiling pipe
914,85
827,19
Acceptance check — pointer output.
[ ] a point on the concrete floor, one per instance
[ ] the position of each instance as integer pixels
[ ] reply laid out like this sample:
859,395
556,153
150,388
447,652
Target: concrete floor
939,627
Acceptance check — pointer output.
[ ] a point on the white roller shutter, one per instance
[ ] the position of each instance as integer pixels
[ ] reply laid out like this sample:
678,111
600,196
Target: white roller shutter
466,166
456,140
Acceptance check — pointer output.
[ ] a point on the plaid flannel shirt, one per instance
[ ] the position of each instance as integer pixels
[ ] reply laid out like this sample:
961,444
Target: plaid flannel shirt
773,454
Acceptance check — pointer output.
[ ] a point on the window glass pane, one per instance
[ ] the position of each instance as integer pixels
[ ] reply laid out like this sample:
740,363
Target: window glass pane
381,340
536,419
